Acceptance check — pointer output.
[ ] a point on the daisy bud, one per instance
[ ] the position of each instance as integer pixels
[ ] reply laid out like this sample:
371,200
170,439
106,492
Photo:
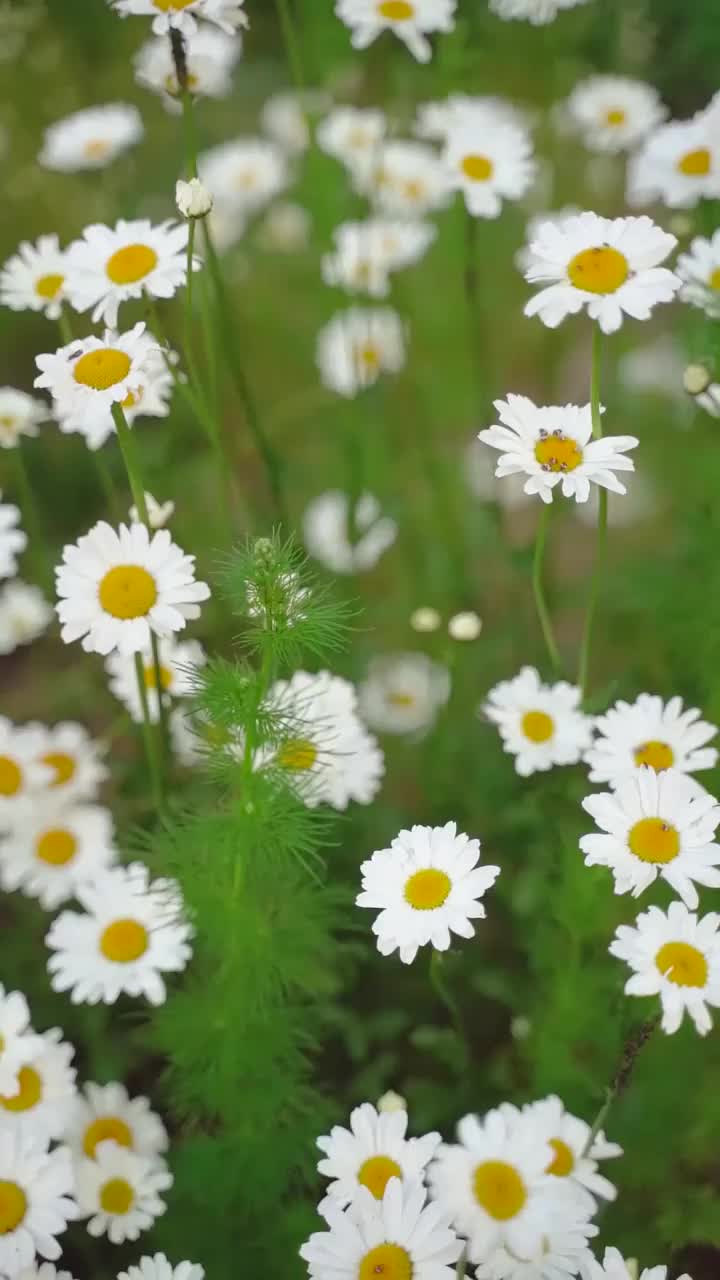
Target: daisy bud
192,198
391,1101
696,379
425,619
465,626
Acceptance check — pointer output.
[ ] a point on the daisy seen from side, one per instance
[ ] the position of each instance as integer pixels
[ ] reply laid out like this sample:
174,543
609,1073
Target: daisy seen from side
410,20
37,1202
652,732
111,265
352,135
106,1113
33,279
699,270
614,113
326,531
119,1192
55,848
372,1151
91,138
540,725
37,1109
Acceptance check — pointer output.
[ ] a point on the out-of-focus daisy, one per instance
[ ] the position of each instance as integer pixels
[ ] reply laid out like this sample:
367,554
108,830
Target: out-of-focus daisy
427,886
285,227
540,724
699,270
538,12
159,1267
284,119
186,738
614,113
74,759
352,135
55,848
608,265
33,279
366,253
91,138
328,756
20,415
552,445
411,21
563,1252
89,375
371,1152
37,1202
210,56
19,1044
357,346
229,15
489,160
118,1191
568,1136
663,735
679,163
22,772
111,265
12,539
614,1267
132,930
326,532
655,824
37,1108
178,664
403,693
245,174
675,955
405,179
150,398
43,1271
159,513
116,588
436,120
399,1237
105,1113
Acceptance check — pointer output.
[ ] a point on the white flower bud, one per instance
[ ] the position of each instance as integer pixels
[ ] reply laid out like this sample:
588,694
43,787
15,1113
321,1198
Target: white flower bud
192,198
465,626
696,379
158,512
425,619
391,1101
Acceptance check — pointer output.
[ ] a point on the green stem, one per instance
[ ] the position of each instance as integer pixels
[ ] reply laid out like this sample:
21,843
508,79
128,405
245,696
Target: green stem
189,282
437,980
595,584
37,542
472,298
127,448
65,326
292,46
149,736
191,148
107,484
461,1265
538,590
621,1079
162,711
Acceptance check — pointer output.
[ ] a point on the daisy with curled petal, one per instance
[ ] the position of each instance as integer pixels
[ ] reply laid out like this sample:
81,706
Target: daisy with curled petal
552,445
159,1267
614,113
132,930
699,270
91,138
12,539
650,732
404,179
18,1042
105,1113
568,1136
118,1191
655,824
538,12
36,1203
111,265
159,513
33,279
614,1267
610,266
117,588
427,886
399,1237
229,15
75,761
178,663
210,56
245,174
20,415
403,693
540,724
89,375
37,1108
489,160
563,1253
22,771
352,134
410,20
679,163
54,848
371,1152
326,532
357,346
676,955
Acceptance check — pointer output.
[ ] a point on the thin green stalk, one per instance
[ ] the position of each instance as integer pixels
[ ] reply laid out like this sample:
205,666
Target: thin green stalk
595,584
437,980
538,590
461,1265
189,282
162,711
150,738
33,526
621,1079
107,484
65,326
292,44
474,309
127,449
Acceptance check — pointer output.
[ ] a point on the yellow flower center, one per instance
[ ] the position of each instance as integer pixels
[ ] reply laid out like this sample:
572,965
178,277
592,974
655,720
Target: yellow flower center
658,755
127,591
124,941
165,5
414,189
116,1196
714,281
538,726
13,1204
376,1172
682,964
654,840
558,452
695,164
563,1162
30,1091
400,700
49,286
428,889
56,847
598,270
477,168
616,116
165,677
386,1262
63,764
10,777
102,368
297,755
106,1129
133,263
499,1189
96,148
369,357
396,10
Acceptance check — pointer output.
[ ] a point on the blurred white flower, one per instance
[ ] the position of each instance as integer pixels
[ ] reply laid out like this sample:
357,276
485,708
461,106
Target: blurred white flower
20,415
12,539
244,174
326,532
229,15
538,12
403,693
699,270
359,345
33,279
655,368
425,619
367,252
489,159
286,228
54,849
465,626
178,661
410,20
404,179
159,513
352,134
284,119
679,163
210,57
91,138
436,120
614,113
24,615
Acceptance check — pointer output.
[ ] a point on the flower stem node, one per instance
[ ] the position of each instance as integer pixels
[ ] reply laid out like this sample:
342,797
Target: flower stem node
193,198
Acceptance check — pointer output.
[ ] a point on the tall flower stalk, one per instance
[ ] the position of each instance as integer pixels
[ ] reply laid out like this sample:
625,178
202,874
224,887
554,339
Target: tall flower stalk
598,569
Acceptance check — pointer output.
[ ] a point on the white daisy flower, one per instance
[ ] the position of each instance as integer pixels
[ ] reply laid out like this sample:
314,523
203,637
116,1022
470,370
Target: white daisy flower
675,955
410,20
614,113
20,415
399,1237
540,724
91,138
367,252
352,135
608,265
403,693
562,1253
614,1267
159,513
37,1108
43,1271
210,55
284,118
33,279
538,12
552,445
679,164
111,265
22,771
568,1136
489,160
326,532
89,375
12,539
158,1267
105,1113
54,848
427,886
36,1204
179,661
371,1152
245,174
117,588
655,824
75,760
285,228
404,180
524,258
132,931
650,732
150,398
118,1191
357,346
229,15
328,755
699,270
496,1186
18,1042
436,120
